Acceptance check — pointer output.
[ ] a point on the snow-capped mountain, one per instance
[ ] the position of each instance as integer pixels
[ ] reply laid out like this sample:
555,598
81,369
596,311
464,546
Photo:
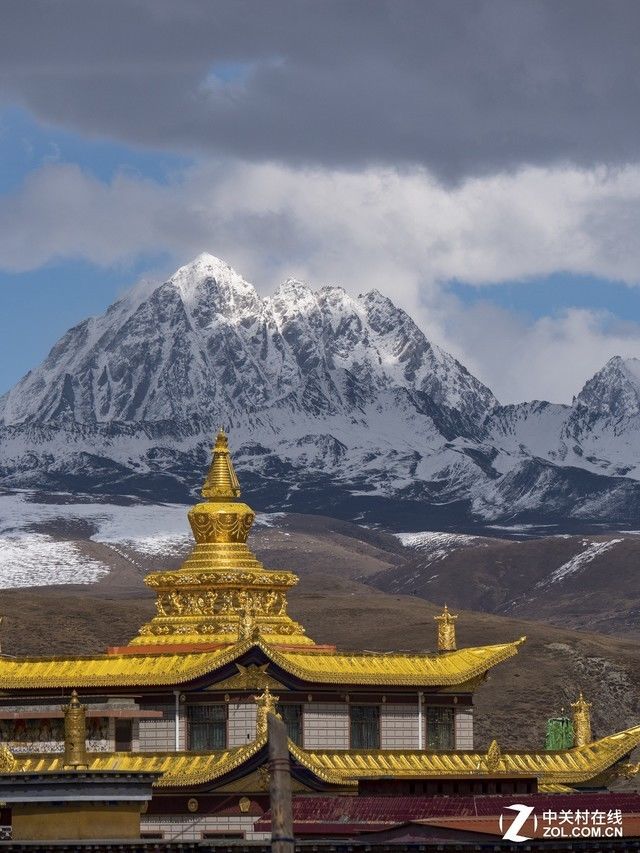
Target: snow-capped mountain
204,345
333,402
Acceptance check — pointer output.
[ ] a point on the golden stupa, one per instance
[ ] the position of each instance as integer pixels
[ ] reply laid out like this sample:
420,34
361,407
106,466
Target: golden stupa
221,593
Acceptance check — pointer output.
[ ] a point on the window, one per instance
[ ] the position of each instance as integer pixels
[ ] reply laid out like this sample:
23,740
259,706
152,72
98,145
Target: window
207,727
292,718
365,726
440,734
123,735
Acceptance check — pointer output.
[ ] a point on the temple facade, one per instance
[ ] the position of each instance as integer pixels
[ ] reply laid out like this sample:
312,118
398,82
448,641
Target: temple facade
187,700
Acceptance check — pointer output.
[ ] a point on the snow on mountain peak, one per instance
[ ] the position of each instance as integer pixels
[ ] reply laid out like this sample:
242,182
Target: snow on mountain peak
615,389
374,296
293,298
314,384
631,366
292,290
205,342
205,269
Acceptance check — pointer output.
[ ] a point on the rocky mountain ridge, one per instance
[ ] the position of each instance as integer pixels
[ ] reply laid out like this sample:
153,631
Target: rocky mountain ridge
332,401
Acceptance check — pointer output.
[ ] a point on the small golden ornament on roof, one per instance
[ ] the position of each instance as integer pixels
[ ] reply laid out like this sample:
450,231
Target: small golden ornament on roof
581,721
8,762
446,631
493,758
267,704
75,734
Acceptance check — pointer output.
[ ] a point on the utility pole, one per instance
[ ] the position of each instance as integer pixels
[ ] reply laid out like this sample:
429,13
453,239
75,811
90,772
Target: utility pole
282,840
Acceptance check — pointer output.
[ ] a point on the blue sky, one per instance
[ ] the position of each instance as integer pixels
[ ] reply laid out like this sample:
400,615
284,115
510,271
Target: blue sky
37,306
537,297
500,205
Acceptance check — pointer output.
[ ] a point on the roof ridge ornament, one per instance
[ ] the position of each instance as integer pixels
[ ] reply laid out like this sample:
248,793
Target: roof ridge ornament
582,721
267,703
446,631
8,761
493,758
75,734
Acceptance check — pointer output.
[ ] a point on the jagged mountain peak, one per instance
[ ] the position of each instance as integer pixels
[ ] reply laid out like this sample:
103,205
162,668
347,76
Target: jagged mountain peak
323,390
614,390
293,294
208,277
204,343
627,368
374,296
210,287
203,264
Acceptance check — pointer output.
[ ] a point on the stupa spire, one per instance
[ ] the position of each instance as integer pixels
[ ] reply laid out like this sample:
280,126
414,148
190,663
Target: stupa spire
221,483
221,594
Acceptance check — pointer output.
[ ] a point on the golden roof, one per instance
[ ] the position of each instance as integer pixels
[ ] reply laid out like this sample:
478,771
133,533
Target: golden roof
397,669
178,769
568,766
345,767
416,670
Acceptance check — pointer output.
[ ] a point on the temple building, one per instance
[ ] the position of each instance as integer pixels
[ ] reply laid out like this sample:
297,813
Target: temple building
186,700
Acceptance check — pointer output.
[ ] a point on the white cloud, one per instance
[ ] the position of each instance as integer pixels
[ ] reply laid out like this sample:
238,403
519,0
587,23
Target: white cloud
549,359
399,231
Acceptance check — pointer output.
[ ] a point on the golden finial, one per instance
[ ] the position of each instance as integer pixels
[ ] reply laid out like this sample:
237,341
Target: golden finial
75,733
581,721
493,758
221,483
446,631
267,704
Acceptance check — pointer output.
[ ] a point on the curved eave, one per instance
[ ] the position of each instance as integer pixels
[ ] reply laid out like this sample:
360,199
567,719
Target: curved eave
445,670
562,767
344,768
178,769
442,670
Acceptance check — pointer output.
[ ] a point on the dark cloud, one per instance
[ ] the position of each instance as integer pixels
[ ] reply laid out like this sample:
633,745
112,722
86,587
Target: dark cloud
461,86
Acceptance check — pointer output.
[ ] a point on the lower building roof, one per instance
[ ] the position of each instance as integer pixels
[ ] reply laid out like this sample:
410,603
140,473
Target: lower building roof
335,810
345,767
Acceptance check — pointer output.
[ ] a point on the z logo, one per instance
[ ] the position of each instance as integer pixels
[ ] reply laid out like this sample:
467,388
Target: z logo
524,813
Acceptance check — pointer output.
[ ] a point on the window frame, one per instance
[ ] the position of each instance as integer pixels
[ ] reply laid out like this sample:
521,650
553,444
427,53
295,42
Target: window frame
452,713
301,706
119,723
190,708
376,707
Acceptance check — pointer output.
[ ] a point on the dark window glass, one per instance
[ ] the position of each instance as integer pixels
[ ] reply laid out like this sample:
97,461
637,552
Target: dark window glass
292,718
440,733
123,735
365,726
207,727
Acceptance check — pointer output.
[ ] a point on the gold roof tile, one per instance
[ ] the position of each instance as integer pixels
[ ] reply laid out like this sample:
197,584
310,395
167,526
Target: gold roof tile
345,767
552,767
397,669
325,668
